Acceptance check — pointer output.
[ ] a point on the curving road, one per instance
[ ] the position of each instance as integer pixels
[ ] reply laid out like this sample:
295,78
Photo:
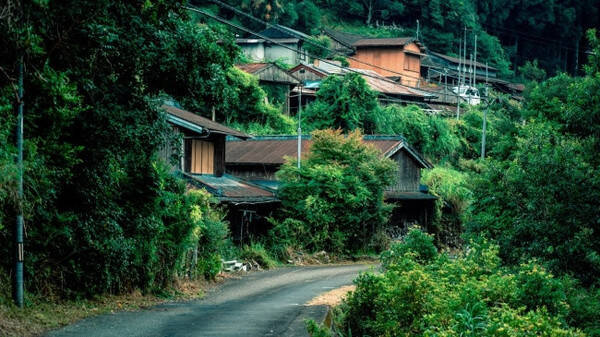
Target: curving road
266,303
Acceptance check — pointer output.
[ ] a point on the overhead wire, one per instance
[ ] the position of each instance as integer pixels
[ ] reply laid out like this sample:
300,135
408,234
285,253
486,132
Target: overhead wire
289,32
242,28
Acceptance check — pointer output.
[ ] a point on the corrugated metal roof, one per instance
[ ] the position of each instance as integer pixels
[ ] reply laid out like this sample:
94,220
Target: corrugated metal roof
203,122
456,60
383,42
272,150
393,195
229,188
384,85
346,39
252,67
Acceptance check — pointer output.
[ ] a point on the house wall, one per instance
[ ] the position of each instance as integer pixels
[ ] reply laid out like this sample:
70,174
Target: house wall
392,58
275,52
306,75
204,155
253,171
254,51
409,173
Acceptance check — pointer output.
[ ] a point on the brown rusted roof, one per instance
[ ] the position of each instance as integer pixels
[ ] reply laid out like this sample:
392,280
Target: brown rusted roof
385,86
252,67
202,122
272,150
230,188
383,42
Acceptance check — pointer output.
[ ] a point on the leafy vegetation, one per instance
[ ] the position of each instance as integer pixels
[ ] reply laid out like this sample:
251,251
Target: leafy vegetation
423,292
103,213
334,202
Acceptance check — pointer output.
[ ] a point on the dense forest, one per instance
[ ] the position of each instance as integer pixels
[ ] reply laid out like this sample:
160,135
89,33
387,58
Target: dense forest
515,243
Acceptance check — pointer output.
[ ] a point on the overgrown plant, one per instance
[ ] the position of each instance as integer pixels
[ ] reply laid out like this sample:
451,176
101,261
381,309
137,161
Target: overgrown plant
334,202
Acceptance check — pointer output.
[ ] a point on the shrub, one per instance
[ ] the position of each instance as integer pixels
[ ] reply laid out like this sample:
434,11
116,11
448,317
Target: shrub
470,295
416,242
336,198
256,252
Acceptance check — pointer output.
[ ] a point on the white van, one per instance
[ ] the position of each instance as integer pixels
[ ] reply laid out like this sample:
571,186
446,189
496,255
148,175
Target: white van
470,94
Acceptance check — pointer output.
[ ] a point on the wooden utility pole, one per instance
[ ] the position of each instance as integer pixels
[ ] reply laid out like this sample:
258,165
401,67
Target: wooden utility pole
19,251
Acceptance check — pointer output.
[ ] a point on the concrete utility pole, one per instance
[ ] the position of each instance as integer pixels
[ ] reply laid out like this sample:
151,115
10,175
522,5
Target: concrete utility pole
475,64
19,252
458,80
300,125
483,128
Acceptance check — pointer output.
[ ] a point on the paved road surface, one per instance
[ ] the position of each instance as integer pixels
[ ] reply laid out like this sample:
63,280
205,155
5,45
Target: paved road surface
261,304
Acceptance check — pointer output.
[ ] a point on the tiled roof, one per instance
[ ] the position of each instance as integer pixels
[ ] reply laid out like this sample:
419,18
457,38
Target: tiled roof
383,42
202,122
232,189
271,150
252,67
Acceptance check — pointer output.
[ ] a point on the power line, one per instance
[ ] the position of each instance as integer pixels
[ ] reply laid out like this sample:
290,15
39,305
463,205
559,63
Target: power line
269,25
224,21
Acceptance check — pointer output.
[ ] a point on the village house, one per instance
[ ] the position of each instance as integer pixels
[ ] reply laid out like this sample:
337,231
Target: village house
274,80
200,160
311,76
283,44
397,58
258,159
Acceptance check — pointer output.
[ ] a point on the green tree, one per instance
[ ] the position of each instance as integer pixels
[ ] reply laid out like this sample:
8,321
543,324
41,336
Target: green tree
102,212
344,102
335,200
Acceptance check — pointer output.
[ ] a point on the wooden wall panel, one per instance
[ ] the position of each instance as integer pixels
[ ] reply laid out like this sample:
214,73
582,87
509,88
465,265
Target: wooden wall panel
202,157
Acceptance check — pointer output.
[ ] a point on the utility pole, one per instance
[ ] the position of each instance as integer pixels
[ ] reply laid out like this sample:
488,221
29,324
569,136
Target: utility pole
19,252
475,64
458,81
300,125
483,128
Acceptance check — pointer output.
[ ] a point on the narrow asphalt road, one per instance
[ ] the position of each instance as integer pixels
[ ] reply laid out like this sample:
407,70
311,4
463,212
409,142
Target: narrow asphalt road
266,303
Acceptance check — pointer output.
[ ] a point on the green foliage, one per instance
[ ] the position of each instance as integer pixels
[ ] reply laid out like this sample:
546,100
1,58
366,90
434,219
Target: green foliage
103,214
336,197
542,202
343,102
530,71
471,295
318,46
256,252
430,135
416,242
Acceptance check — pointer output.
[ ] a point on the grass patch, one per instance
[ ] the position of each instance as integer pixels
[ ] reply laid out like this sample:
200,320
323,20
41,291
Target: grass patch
258,253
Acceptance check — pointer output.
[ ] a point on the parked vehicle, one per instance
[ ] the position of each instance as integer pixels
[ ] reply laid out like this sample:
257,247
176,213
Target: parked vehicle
468,93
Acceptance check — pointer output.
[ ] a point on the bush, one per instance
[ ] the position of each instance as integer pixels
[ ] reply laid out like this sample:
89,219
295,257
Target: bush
256,252
471,295
416,242
336,198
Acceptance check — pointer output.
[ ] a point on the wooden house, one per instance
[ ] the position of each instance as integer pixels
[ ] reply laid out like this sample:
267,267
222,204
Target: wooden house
257,160
201,162
397,58
282,43
389,91
276,81
435,66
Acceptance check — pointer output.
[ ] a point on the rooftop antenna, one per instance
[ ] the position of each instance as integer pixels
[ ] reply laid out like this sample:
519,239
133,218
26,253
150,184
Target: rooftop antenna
417,29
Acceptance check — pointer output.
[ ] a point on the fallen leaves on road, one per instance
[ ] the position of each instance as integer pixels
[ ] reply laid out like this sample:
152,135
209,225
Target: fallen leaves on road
333,297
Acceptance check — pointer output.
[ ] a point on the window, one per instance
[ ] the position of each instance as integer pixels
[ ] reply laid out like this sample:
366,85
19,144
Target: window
202,157
412,62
